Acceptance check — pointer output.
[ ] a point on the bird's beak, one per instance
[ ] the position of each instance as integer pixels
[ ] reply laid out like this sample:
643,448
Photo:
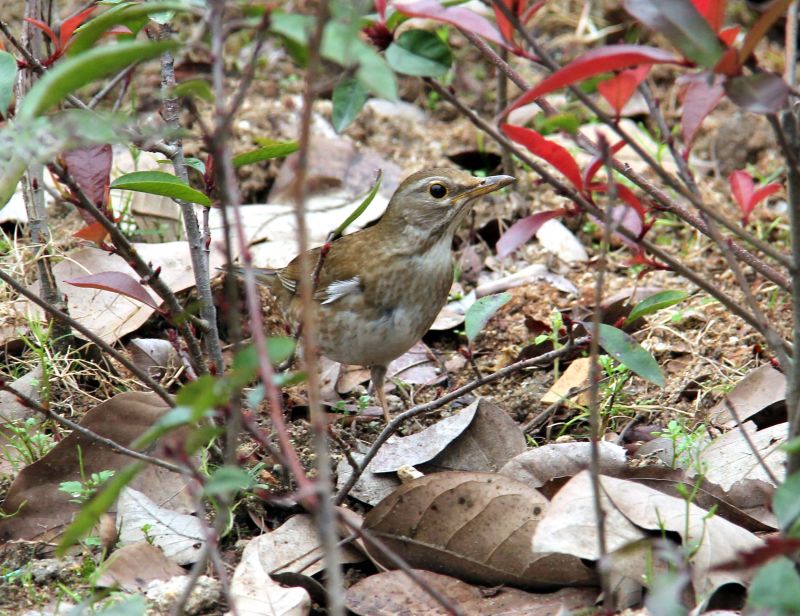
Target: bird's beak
486,185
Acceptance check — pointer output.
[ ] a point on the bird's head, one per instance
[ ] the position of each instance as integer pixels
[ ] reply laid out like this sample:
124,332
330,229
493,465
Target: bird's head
437,200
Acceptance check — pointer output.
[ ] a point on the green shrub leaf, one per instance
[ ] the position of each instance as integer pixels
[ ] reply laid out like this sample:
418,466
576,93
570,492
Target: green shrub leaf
269,150
656,302
348,98
419,53
628,352
160,183
481,311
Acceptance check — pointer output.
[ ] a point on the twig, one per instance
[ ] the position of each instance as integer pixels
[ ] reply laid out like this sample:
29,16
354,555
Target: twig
89,335
103,92
102,440
198,250
326,512
400,419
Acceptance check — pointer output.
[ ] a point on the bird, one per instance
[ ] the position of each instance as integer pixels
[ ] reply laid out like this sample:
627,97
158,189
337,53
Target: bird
380,289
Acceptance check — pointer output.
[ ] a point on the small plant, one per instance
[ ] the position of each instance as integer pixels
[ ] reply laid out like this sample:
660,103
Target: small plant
686,444
27,442
556,328
82,491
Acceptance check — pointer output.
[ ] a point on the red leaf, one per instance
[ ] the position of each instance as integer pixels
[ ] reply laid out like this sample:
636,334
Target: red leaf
713,11
747,198
760,92
116,282
523,230
553,153
506,29
94,232
626,195
70,24
594,165
594,62
618,90
728,35
91,168
774,12
454,15
46,29
699,99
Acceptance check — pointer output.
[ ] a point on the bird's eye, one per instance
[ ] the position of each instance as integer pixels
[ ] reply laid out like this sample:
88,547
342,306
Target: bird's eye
437,190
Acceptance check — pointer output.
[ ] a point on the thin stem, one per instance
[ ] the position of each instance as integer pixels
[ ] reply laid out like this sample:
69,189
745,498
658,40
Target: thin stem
102,440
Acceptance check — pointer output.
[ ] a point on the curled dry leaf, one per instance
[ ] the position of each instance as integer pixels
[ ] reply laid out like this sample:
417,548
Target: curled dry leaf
292,547
539,466
134,566
761,391
482,437
474,526
180,536
153,355
631,508
729,460
392,593
371,488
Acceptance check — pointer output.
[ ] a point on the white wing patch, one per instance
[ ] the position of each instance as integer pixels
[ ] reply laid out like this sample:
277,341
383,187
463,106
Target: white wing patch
339,288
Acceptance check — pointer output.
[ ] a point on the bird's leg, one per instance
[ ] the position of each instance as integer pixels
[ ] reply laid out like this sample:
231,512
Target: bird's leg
378,378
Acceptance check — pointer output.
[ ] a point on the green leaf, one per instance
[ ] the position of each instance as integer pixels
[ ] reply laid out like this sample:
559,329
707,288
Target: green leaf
293,26
227,480
89,514
775,589
786,503
272,149
194,87
72,73
375,74
479,313
8,73
792,446
196,164
160,183
656,302
129,14
362,206
419,53
246,362
627,351
348,98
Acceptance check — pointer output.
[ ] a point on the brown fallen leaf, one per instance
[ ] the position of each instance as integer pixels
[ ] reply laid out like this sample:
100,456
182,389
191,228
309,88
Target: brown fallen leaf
729,460
630,507
760,392
133,567
292,547
576,376
481,437
392,593
474,526
43,509
536,467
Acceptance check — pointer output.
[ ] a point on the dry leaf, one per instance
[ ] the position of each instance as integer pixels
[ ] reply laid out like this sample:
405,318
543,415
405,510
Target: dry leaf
570,526
474,526
393,593
153,355
110,315
133,567
576,376
292,547
759,391
371,488
729,459
180,536
13,411
537,467
43,509
481,437
529,274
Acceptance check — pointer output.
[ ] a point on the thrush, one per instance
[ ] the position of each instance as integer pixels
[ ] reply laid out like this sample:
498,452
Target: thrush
379,289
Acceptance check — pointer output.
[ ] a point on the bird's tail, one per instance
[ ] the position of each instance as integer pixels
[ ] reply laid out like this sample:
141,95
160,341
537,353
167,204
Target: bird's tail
263,274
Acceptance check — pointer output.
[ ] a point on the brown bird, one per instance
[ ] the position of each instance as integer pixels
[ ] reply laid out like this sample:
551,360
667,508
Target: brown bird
380,288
